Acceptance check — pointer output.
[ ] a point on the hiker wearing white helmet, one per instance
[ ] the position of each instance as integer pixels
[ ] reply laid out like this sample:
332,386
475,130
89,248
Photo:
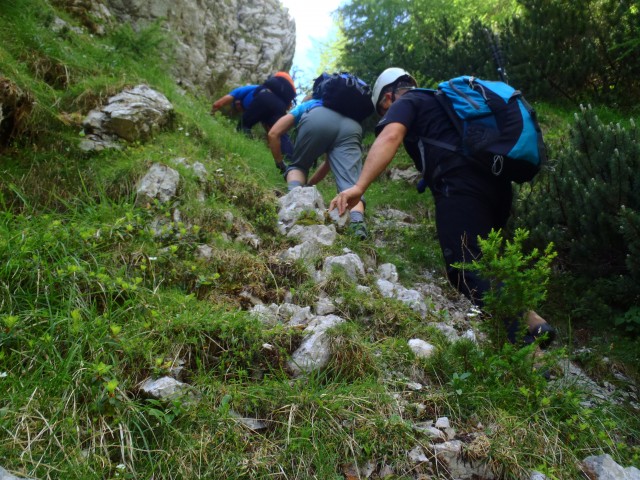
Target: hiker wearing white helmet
469,200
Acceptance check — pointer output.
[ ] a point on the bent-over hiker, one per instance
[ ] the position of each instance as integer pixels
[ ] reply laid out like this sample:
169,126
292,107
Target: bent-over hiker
239,99
469,200
271,101
264,104
321,131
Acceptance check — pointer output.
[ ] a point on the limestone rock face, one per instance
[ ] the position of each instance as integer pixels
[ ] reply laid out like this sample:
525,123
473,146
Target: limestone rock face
217,42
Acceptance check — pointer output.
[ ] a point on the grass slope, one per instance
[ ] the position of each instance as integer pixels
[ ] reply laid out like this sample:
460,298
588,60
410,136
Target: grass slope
92,302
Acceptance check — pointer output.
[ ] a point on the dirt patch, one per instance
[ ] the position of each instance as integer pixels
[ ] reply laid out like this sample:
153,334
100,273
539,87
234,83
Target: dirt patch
15,108
48,70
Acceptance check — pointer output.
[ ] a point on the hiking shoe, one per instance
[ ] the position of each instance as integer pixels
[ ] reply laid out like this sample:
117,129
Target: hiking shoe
545,332
359,229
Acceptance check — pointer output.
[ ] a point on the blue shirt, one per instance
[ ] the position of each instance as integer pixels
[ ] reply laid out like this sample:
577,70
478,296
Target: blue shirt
303,108
244,94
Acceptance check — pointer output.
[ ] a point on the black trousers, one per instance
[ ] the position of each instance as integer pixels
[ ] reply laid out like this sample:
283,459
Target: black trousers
469,202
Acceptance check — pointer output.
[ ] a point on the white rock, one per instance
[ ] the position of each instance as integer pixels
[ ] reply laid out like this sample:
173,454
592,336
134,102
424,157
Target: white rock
432,432
320,234
341,221
604,467
314,352
298,201
417,455
324,306
5,475
350,262
166,388
268,315
389,272
537,476
442,423
160,182
448,331
421,348
449,455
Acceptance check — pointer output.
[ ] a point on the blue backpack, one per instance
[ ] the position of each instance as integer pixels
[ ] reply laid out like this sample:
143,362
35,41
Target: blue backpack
496,124
345,93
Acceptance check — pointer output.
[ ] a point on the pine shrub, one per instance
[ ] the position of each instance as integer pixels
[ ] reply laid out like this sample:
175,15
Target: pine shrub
588,204
517,278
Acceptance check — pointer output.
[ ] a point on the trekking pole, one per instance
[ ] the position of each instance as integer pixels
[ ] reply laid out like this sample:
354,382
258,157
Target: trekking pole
497,55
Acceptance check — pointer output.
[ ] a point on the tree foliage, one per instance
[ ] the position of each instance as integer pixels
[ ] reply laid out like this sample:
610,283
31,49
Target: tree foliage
561,51
419,35
554,49
580,51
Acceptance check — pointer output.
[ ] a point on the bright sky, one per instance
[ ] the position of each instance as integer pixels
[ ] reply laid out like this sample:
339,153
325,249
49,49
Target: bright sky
313,23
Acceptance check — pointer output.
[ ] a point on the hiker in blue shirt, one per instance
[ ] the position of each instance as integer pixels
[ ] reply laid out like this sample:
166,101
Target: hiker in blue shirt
239,98
470,201
320,131
264,104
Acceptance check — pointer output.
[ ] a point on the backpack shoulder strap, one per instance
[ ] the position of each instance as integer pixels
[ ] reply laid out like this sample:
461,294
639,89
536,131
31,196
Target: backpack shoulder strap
440,97
425,90
438,143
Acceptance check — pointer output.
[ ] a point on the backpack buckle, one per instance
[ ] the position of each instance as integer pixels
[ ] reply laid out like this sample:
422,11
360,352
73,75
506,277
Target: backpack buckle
498,165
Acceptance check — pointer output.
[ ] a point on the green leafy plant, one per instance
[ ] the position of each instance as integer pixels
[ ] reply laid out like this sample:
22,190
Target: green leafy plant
517,280
630,321
457,381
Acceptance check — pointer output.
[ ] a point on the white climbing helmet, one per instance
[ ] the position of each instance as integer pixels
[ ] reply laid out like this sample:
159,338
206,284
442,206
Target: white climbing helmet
389,76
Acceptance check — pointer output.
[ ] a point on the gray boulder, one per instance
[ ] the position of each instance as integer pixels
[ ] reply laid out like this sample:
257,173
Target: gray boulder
314,352
5,475
134,114
603,467
299,201
161,182
233,42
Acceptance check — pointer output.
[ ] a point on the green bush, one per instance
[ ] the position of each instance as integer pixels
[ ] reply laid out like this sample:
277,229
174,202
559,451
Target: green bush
517,280
588,204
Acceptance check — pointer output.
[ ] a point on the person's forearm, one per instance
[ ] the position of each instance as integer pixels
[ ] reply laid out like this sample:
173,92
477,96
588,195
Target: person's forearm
380,155
221,102
382,152
275,134
274,145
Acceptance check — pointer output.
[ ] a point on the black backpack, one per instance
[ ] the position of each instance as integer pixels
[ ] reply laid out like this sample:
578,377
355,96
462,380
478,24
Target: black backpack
280,87
344,93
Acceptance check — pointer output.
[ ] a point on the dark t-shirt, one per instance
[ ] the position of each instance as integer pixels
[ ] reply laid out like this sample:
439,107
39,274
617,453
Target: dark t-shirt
423,116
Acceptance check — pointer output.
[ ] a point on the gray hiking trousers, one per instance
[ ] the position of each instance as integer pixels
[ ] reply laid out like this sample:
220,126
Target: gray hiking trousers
321,131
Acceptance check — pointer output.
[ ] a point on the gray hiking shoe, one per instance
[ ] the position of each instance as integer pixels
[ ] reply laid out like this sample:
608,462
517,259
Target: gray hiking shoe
359,229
